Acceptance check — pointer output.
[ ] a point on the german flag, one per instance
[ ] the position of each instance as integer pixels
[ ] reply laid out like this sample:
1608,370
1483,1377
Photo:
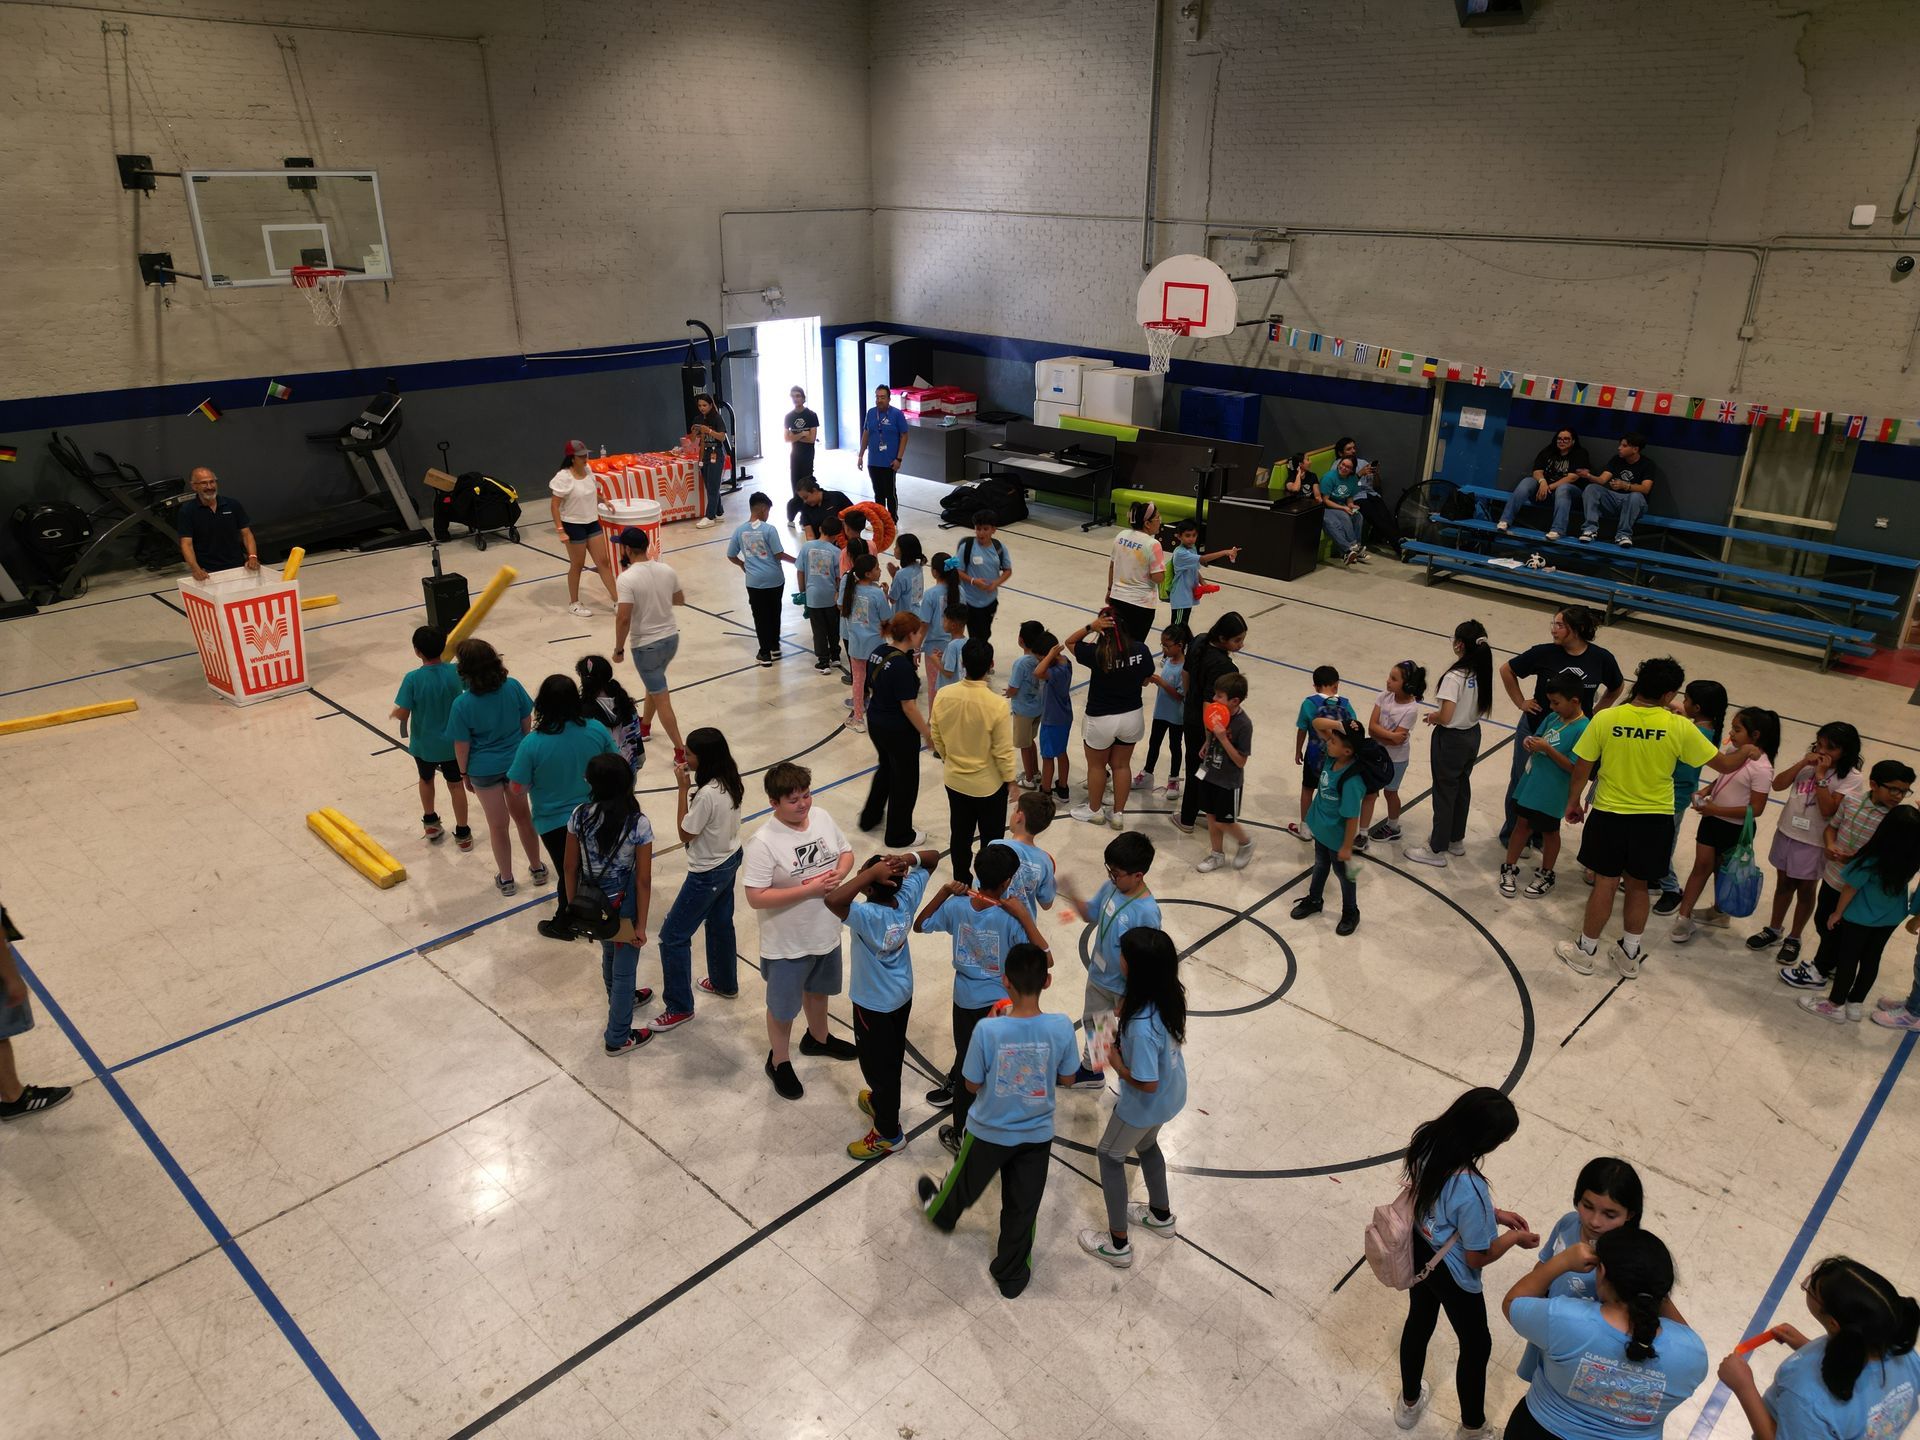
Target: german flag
206,407
9,454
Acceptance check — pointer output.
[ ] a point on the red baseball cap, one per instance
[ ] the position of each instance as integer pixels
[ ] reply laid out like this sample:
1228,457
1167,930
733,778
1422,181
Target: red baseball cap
577,447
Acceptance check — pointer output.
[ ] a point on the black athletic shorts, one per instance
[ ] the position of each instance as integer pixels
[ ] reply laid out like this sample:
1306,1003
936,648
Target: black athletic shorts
1538,821
1636,846
1719,834
449,768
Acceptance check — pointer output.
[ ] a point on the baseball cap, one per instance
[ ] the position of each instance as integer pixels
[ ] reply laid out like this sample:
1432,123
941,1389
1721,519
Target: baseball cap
577,447
634,537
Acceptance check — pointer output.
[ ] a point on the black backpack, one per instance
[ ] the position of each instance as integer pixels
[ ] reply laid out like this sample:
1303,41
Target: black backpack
1372,764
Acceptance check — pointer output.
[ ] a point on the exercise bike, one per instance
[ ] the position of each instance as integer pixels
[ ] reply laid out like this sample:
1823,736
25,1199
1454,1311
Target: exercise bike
68,543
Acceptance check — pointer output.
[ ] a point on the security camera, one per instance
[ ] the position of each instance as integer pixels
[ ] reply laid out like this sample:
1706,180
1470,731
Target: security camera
1903,267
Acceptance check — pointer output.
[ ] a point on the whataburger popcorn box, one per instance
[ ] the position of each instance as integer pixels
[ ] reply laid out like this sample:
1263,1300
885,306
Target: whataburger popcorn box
246,625
671,479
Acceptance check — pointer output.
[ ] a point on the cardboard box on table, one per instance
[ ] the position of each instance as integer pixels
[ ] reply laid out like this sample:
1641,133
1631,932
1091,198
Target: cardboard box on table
246,624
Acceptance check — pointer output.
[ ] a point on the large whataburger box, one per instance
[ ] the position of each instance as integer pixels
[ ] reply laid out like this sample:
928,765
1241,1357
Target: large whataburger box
246,624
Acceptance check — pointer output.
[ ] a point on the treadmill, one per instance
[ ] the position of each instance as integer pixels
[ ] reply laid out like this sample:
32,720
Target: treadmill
383,514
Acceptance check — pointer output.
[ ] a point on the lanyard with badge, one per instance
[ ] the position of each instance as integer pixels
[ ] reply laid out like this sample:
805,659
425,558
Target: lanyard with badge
1804,791
1109,919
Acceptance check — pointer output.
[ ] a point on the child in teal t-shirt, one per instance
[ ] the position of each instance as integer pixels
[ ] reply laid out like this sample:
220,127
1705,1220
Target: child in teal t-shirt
1540,794
1333,819
426,697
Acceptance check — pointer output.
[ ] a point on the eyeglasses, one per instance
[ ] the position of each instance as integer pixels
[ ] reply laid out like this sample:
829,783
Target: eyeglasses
1902,791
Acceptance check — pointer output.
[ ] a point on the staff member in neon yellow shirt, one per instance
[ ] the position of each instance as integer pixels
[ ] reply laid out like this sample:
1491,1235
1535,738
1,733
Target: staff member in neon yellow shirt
1630,833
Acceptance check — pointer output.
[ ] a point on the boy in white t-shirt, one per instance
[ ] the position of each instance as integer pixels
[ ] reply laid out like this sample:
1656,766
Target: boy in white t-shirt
788,868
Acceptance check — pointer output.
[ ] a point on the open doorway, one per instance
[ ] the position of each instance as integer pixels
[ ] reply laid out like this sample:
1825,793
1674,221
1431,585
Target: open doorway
789,355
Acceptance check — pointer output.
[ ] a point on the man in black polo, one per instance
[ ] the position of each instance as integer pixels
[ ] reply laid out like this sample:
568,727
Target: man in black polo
803,429
215,533
814,504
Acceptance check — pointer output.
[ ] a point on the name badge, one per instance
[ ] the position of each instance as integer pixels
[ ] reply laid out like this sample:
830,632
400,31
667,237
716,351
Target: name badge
1801,822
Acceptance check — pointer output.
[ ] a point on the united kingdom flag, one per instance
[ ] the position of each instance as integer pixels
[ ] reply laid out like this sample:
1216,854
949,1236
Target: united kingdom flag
1729,411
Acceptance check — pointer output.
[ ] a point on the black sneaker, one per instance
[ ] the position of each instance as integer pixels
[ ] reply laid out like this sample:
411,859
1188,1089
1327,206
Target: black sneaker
1767,938
940,1095
635,1039
831,1048
763,659
925,1187
822,668
1361,840
1060,792
1668,902
35,1100
556,930
1509,880
786,1084
1307,905
950,1138
1349,922
1790,951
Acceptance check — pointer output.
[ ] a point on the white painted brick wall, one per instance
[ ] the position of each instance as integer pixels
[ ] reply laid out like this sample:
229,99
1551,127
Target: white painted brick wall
624,131
1729,120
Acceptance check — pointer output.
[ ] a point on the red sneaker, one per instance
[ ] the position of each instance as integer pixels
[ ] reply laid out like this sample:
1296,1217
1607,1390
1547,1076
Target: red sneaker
669,1020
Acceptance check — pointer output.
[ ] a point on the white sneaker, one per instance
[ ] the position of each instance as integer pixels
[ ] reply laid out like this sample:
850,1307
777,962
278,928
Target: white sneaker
1116,818
1142,780
1243,856
856,725
1421,855
1485,1432
1407,1416
1553,535
1627,965
1683,929
1214,861
1140,1214
705,522
1087,815
578,609
1456,848
1500,525
1099,1244
1574,958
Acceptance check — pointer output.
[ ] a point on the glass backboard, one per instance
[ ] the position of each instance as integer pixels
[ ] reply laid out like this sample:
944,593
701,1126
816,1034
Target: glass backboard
253,226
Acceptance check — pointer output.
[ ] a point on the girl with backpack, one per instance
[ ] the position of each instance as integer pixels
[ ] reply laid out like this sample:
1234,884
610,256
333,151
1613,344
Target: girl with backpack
1614,1365
1454,1221
1333,819
610,845
1856,1380
607,700
1465,694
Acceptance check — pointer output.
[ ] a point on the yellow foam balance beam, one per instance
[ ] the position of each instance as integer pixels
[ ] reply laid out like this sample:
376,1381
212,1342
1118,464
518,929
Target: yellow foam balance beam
294,557
319,602
351,844
67,717
482,603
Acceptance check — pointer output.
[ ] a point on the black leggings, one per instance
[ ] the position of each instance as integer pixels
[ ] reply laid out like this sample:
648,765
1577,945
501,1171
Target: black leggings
1467,1314
1171,732
555,841
1522,1426
1855,954
881,1038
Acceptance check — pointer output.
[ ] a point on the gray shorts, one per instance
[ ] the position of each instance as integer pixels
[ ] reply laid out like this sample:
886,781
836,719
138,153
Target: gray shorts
16,1019
1399,774
789,981
651,661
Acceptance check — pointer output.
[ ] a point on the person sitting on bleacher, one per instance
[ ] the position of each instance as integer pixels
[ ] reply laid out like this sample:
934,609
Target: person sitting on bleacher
1339,488
1621,490
1556,475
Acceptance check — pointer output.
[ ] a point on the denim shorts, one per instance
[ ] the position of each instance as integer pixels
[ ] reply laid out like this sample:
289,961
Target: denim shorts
16,1019
581,533
652,659
487,782
790,981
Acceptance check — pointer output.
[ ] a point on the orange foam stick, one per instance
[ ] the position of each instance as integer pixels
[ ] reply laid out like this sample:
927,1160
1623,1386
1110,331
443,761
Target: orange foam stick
1754,1342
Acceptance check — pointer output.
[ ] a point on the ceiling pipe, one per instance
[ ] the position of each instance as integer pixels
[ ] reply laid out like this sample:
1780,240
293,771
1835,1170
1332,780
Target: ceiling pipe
1153,136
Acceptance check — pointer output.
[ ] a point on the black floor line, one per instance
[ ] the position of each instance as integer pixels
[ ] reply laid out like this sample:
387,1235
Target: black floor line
565,638
1611,991
178,610
365,724
1352,1270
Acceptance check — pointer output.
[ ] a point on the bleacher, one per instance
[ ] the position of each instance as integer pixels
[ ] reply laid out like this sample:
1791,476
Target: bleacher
1661,578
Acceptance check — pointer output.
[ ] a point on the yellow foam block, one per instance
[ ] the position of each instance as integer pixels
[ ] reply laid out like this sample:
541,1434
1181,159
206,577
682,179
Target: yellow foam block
67,717
319,602
294,557
368,845
482,603
378,866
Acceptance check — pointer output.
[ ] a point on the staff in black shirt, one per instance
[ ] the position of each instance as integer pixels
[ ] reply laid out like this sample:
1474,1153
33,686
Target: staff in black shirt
1556,475
1621,490
896,727
802,429
814,504
1571,652
215,533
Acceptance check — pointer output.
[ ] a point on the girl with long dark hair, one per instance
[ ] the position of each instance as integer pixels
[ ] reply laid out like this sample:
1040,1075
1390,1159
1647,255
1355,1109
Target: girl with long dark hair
709,825
604,698
1119,667
1723,807
1207,660
1146,1056
896,727
863,608
1606,1196
1874,899
1816,784
1455,1221
485,725
610,841
550,769
1465,694
576,519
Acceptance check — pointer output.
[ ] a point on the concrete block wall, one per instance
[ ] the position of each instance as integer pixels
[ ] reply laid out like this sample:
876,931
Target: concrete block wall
1722,121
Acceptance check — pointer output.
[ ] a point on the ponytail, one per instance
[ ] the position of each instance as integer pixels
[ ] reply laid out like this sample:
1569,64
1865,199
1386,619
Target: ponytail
864,568
1638,1268
948,575
1476,659
1875,1320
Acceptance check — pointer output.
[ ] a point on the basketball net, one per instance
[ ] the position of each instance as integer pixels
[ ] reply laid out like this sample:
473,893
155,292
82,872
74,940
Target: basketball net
1160,337
324,289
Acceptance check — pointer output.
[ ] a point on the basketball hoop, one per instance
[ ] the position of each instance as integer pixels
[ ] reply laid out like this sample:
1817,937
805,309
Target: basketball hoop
1160,337
324,290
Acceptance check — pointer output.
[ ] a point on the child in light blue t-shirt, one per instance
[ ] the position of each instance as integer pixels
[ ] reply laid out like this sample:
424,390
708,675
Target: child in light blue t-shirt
1183,568
1025,700
1123,903
936,598
908,569
1170,683
819,566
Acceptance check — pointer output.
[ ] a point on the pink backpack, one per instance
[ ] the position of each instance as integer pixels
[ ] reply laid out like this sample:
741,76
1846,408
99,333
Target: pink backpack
1389,1243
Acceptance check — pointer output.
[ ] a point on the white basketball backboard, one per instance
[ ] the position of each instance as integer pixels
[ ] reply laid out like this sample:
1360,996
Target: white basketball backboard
1190,288
252,227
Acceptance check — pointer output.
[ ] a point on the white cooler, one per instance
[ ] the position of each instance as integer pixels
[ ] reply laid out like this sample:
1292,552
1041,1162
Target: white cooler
617,515
1123,397
1058,381
246,624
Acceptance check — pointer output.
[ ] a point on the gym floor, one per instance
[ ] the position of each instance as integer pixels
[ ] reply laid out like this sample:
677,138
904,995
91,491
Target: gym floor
346,1160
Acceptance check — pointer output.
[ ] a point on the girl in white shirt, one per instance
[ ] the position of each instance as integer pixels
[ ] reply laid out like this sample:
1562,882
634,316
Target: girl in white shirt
576,519
709,826
1392,725
1465,694
1133,574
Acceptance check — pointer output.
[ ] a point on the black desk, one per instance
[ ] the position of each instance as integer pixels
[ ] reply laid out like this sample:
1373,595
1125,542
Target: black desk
939,452
1040,472
1280,544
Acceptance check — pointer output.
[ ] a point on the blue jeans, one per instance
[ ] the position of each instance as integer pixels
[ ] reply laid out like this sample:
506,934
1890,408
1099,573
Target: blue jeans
710,482
620,971
1523,494
705,896
1628,505
1344,529
1325,859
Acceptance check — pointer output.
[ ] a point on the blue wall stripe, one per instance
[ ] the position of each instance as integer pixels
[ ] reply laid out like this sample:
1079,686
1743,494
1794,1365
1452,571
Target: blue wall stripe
237,1257
1796,1255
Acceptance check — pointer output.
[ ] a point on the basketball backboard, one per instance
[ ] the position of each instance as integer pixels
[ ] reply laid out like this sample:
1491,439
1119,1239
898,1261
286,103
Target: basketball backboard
252,227
1190,288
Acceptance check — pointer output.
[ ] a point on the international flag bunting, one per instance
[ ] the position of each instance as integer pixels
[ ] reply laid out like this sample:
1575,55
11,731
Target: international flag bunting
9,454
1383,357
1406,362
1663,403
1729,412
1634,399
1479,374
1527,382
1789,420
206,408
1554,392
1273,333
1313,341
1756,414
1855,424
1430,367
1506,379
1339,346
1696,407
1453,369
1360,353
277,391
1293,337
1819,422
1606,397
1579,392
1889,432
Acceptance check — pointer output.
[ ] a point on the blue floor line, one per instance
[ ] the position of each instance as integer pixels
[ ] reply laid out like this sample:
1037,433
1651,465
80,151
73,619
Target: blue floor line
1796,1254
229,1247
